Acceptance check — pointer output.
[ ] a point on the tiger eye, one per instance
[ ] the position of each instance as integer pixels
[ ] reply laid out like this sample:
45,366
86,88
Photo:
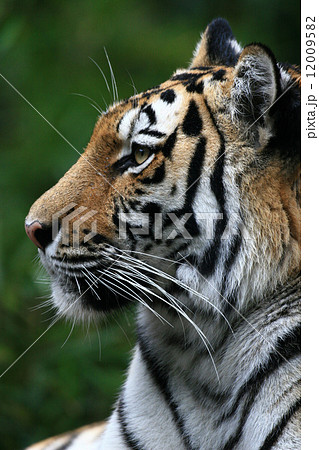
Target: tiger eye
141,155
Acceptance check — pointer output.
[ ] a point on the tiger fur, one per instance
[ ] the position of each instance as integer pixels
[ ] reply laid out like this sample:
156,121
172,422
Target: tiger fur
213,154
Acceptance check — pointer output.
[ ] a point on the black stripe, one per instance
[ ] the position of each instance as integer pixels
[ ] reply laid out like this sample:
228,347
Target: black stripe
232,255
173,190
204,69
80,258
139,191
128,436
233,252
158,176
168,96
134,203
193,177
150,113
278,429
194,173
99,239
195,88
151,208
128,226
285,349
159,376
169,144
153,133
211,256
219,75
192,123
233,440
70,442
188,76
125,208
115,215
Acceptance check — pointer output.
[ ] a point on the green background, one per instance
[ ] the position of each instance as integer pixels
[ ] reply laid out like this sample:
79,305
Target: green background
45,51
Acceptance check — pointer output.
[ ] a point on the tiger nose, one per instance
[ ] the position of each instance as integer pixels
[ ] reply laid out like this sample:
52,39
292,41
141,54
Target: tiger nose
40,234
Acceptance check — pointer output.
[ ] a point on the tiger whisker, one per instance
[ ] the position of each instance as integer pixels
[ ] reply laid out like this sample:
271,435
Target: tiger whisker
114,86
140,300
69,335
152,256
43,304
160,273
94,283
123,331
102,73
99,339
94,103
100,279
152,283
77,283
175,306
133,86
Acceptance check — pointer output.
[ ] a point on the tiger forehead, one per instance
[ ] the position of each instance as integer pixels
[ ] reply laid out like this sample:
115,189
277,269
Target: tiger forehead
187,80
162,104
154,118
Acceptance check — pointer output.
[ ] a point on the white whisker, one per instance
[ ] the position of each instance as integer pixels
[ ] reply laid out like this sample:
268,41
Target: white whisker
99,339
135,296
77,283
162,274
172,302
102,73
69,335
133,84
114,86
94,103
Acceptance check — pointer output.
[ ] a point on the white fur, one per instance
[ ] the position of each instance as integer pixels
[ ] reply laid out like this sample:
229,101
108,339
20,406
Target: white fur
235,46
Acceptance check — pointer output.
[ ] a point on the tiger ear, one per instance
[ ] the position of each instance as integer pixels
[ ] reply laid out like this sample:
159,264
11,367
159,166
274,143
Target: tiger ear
256,84
217,46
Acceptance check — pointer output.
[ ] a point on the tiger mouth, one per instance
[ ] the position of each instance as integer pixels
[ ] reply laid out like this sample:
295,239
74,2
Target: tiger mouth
93,286
93,293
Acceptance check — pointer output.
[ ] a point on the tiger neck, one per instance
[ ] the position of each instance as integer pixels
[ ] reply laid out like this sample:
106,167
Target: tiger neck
204,346
185,386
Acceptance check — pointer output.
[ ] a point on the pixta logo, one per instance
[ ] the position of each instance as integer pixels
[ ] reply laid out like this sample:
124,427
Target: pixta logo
169,226
82,214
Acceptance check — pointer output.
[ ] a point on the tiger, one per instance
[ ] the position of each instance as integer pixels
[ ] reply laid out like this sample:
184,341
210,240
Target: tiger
186,202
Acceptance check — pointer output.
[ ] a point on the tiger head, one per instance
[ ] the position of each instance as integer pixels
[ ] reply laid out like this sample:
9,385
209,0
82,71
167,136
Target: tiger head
191,185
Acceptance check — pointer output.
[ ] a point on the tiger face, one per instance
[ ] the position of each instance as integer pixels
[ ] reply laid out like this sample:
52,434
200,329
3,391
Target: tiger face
193,184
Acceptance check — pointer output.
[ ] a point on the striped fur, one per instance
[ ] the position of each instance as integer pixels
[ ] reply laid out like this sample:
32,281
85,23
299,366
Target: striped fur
210,251
82,438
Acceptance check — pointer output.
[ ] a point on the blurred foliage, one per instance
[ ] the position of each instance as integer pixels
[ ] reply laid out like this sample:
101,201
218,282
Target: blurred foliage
45,49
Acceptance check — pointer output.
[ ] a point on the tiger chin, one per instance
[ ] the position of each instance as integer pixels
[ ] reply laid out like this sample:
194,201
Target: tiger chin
186,202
